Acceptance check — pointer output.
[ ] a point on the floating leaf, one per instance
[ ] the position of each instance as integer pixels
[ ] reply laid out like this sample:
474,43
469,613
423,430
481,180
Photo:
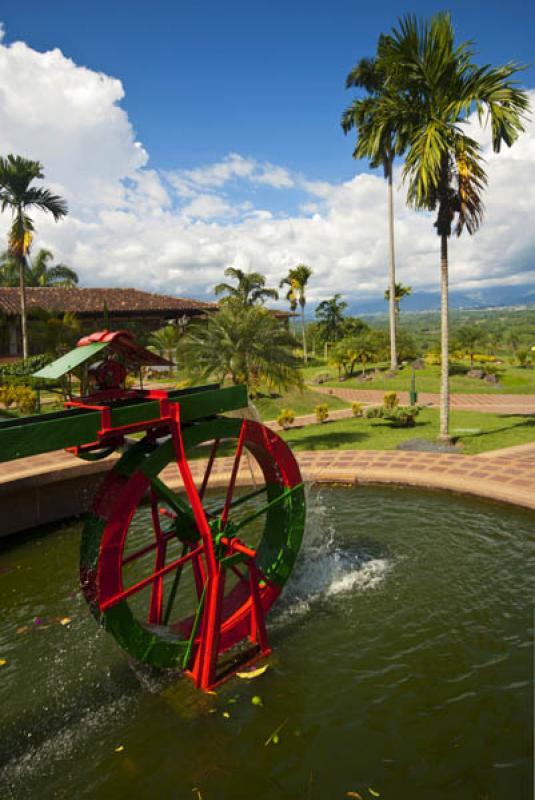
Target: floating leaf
22,629
373,793
275,738
64,621
253,673
199,795
119,749
3,661
354,794
226,715
257,701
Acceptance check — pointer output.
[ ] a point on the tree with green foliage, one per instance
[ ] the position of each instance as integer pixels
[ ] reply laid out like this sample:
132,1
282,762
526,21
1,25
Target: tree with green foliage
56,333
353,326
401,291
436,87
36,272
470,339
379,141
297,280
18,195
245,343
330,318
165,342
250,288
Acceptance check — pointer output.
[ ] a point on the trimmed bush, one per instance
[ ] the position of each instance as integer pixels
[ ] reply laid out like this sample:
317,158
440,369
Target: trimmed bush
322,412
390,400
357,409
399,416
286,418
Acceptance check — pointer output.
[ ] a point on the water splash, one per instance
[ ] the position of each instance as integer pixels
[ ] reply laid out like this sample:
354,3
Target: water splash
327,566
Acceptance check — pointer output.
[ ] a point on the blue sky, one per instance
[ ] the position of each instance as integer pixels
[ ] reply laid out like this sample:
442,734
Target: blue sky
254,87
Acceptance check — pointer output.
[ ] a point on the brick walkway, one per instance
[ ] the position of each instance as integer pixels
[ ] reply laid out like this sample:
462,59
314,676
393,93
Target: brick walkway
496,403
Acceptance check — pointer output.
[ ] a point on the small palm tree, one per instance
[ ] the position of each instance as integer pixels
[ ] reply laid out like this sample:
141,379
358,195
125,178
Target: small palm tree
250,289
437,87
401,291
330,316
17,194
379,140
165,341
297,280
244,342
40,274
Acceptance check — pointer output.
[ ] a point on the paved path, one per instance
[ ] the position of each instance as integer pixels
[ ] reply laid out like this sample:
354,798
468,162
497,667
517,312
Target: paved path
495,403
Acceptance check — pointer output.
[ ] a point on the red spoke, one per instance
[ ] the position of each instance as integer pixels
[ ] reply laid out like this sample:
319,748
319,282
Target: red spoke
136,587
234,474
156,598
209,466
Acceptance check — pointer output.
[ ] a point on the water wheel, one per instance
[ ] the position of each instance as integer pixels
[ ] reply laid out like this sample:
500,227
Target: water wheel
180,572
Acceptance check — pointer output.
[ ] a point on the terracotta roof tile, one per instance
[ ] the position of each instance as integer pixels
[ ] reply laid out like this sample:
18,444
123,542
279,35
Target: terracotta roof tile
91,301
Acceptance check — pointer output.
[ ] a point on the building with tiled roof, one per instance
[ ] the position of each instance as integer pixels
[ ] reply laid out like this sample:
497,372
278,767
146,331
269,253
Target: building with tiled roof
96,308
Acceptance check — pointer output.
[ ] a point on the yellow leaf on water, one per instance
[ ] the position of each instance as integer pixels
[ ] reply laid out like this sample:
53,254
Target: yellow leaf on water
354,794
119,749
373,793
65,621
3,661
226,715
257,701
22,629
254,673
275,738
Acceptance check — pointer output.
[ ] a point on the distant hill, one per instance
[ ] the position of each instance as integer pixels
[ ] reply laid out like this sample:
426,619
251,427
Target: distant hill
495,296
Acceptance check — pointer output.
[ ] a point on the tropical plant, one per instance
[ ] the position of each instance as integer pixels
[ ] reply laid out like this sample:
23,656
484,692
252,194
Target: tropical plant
40,274
435,88
357,409
297,280
378,140
469,339
250,289
330,317
523,357
165,342
18,195
56,333
286,418
400,292
246,343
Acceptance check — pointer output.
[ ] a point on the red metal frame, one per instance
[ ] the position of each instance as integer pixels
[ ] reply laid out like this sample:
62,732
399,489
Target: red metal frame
209,569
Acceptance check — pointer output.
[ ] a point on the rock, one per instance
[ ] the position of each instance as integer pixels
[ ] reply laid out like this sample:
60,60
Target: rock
321,377
419,363
475,373
342,378
390,373
492,379
363,378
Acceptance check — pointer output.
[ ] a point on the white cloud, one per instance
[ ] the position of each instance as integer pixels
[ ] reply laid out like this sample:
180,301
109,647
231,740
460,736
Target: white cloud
129,225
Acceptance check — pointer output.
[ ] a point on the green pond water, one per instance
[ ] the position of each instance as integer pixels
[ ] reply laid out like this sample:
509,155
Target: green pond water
402,668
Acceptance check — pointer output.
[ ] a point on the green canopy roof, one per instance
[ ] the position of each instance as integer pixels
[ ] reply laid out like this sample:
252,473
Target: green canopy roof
69,361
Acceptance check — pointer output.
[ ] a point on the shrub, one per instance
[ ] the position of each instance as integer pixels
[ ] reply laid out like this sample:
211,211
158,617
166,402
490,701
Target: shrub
26,399
390,400
522,356
432,359
322,412
357,409
398,416
24,368
8,395
483,359
286,418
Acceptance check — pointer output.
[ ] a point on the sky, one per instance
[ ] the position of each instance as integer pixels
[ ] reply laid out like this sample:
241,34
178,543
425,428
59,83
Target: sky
189,136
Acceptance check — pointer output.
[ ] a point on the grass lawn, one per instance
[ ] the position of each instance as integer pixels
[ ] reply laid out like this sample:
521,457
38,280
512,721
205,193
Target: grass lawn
476,431
513,380
301,402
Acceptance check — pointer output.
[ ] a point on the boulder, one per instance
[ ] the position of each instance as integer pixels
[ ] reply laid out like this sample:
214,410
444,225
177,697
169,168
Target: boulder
321,377
493,379
418,363
475,373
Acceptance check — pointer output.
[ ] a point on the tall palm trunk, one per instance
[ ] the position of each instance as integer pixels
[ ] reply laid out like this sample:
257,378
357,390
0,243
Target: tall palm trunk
392,269
305,355
22,284
444,376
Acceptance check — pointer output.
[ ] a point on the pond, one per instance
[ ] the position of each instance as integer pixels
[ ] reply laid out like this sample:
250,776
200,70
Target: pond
402,668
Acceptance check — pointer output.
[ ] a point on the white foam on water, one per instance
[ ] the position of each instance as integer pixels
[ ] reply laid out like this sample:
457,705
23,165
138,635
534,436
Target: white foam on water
326,568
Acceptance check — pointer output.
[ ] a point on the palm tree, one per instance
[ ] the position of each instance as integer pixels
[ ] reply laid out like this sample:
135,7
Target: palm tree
17,194
244,342
330,316
401,291
250,290
378,140
165,342
297,280
438,87
40,274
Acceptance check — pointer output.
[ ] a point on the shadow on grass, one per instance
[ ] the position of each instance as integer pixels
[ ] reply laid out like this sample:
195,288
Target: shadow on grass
326,440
